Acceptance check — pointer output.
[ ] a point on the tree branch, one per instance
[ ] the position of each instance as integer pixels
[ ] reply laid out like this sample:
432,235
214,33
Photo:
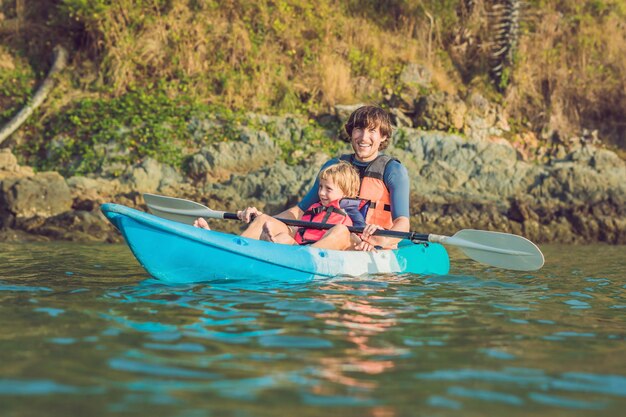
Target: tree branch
60,61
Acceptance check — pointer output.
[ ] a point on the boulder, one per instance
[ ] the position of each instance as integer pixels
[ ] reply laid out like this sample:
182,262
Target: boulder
150,176
88,193
413,81
399,118
75,225
440,111
343,111
270,189
44,195
581,198
219,161
484,119
9,167
415,75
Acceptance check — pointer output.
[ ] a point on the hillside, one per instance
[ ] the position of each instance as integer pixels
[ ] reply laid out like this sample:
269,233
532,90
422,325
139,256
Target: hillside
141,71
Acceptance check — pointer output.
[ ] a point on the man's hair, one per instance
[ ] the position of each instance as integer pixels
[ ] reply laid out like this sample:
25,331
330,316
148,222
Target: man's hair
345,176
370,117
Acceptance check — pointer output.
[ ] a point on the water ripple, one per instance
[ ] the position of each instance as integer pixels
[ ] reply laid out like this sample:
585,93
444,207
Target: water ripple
86,319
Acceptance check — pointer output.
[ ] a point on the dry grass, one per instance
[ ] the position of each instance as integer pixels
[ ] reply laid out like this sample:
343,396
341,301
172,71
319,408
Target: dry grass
571,72
258,54
335,79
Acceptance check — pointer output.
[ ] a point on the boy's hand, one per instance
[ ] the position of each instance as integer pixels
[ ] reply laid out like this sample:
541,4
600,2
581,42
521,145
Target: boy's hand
248,214
201,223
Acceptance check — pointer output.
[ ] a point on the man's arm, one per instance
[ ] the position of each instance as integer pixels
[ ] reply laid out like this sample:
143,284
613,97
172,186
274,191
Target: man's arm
369,242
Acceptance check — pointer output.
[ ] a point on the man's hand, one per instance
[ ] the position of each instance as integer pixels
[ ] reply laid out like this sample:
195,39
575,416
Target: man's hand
368,241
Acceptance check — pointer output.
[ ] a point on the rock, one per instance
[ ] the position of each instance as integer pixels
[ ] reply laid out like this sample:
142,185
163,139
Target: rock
8,161
9,168
111,156
521,211
530,198
219,161
581,154
150,176
198,167
343,111
476,117
484,119
606,161
413,81
415,75
399,119
440,111
442,175
500,154
44,195
89,193
275,187
526,144
147,176
328,121
203,128
456,182
83,226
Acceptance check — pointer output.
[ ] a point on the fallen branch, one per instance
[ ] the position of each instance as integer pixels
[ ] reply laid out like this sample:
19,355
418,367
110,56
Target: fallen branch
60,61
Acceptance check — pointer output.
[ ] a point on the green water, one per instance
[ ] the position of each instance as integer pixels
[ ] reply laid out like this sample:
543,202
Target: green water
86,332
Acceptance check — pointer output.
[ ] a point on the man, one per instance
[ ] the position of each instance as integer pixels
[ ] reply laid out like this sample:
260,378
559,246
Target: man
384,181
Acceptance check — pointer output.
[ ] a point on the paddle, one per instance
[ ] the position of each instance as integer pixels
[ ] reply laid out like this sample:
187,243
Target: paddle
502,250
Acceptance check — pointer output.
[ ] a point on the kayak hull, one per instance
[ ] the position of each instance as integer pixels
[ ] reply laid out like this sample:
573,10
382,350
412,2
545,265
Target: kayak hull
178,253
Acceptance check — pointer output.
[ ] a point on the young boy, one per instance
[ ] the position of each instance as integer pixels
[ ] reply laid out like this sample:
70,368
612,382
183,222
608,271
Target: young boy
336,182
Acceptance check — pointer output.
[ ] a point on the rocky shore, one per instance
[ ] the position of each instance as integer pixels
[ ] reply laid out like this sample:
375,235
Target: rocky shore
470,179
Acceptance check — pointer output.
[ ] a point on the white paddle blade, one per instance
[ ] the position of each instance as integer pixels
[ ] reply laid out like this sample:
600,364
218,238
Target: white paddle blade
502,250
178,209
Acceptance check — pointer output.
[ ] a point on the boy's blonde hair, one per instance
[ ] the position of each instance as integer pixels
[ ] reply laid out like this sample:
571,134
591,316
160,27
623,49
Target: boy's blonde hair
345,176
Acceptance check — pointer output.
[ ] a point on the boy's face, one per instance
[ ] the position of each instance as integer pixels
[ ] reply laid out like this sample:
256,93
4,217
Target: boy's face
329,191
366,142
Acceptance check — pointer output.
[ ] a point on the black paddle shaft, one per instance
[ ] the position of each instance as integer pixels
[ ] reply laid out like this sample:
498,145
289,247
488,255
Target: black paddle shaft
412,236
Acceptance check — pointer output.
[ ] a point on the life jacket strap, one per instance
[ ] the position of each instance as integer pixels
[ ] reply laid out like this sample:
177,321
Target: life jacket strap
329,210
314,212
386,207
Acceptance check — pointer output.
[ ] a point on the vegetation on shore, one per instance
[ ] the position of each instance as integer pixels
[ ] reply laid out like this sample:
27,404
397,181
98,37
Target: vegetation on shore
141,71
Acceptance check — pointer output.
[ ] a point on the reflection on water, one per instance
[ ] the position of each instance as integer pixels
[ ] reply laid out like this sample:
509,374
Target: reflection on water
85,331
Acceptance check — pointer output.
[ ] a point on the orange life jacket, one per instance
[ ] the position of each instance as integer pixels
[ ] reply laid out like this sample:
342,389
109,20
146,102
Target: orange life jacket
374,189
331,214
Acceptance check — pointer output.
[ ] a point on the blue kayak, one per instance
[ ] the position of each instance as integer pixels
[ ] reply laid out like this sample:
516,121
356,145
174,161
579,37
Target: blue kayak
178,253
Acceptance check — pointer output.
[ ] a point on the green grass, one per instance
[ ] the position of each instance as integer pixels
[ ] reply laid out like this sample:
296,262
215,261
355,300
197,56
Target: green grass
15,90
152,122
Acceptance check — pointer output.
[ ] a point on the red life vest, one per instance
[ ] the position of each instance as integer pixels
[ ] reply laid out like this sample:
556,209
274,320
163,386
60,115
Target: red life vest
331,214
373,188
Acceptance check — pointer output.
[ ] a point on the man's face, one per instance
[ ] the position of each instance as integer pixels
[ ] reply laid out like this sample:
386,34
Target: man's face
366,142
